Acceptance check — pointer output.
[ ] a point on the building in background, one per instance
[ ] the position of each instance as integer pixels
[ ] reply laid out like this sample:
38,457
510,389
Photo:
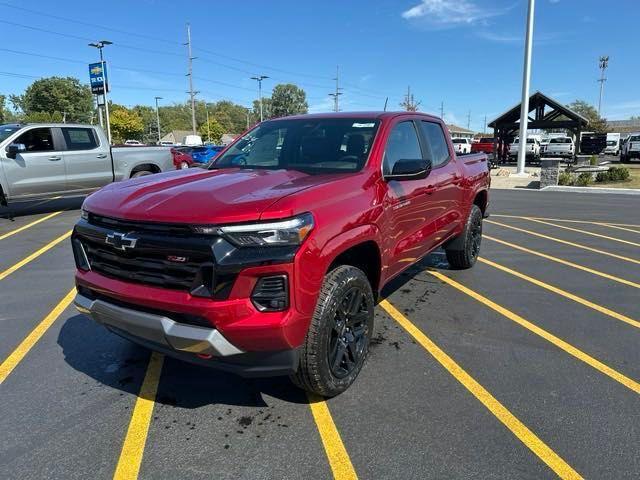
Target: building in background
459,132
175,136
624,127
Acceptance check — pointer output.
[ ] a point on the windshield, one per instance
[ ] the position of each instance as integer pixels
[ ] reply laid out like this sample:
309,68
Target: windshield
313,145
486,140
7,130
458,140
635,138
611,143
560,140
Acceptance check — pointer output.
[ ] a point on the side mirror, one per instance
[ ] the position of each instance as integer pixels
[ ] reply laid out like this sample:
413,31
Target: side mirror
409,169
14,149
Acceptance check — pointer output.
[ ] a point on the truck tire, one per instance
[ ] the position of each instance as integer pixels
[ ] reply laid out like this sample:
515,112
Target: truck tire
337,342
463,252
141,173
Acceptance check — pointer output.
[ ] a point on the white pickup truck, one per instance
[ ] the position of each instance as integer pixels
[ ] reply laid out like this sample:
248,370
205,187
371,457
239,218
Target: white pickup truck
532,149
40,160
461,145
560,147
631,148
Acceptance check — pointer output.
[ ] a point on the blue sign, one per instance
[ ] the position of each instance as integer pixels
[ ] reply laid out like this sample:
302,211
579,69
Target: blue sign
98,77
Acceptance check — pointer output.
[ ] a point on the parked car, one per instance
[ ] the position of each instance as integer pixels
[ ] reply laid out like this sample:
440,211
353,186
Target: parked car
631,148
560,147
593,143
270,261
205,153
613,144
532,149
40,160
182,159
461,145
483,145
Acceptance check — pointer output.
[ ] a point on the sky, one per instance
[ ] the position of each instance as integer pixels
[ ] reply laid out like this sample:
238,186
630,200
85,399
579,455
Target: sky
465,55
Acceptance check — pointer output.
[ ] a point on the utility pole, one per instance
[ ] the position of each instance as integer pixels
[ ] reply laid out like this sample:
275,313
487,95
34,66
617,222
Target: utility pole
192,94
484,130
100,45
158,117
336,105
604,63
248,113
208,128
442,110
259,79
409,104
526,78
469,120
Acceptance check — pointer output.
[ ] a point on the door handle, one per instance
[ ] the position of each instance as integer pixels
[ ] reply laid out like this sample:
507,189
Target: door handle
54,159
101,155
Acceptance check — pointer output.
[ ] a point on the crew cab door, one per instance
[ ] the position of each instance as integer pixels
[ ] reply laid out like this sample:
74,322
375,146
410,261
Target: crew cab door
88,162
443,206
406,202
39,169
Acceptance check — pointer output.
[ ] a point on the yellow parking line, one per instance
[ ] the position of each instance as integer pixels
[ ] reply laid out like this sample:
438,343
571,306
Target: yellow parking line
339,460
564,293
34,255
593,234
564,262
561,344
565,242
520,430
29,225
12,361
133,448
565,220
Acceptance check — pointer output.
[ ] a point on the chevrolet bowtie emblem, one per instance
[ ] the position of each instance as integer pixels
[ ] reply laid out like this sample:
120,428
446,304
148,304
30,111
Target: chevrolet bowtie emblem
120,241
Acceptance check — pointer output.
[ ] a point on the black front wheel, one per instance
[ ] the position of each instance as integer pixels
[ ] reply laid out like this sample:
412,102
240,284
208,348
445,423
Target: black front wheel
337,342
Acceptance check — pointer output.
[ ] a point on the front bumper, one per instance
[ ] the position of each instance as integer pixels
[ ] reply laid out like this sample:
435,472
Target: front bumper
195,344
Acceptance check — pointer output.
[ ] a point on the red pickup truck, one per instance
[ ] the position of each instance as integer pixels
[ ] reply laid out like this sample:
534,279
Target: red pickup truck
270,262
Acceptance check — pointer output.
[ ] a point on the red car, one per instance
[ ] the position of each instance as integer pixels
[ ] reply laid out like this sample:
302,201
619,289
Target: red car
271,261
181,159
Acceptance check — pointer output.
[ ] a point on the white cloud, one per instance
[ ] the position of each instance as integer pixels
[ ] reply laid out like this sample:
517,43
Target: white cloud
451,13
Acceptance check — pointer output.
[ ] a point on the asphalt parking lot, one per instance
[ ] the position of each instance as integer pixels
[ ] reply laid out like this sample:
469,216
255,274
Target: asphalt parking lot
526,366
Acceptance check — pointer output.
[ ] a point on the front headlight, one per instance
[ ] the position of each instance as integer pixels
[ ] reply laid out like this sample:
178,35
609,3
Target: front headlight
84,214
291,231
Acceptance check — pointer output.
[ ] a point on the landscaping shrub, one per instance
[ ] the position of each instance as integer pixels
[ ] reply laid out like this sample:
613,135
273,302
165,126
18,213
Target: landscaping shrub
583,180
594,160
618,174
565,178
603,177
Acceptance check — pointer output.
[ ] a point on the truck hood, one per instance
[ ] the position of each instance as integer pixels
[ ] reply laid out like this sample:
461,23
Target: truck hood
199,196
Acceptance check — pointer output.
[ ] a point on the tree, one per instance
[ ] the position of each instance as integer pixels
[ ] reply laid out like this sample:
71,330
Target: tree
266,108
125,124
288,99
3,111
211,132
596,123
56,95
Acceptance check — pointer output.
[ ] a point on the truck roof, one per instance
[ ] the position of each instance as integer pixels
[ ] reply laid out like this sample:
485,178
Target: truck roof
378,115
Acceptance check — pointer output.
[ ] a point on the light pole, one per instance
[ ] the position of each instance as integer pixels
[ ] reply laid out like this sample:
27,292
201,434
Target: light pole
604,63
208,127
259,79
100,45
526,78
158,117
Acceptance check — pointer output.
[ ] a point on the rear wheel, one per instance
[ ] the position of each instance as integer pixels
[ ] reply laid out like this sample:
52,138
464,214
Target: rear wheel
184,165
141,173
464,250
337,342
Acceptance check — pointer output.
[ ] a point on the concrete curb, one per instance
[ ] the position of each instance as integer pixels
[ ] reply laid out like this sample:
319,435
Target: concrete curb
619,191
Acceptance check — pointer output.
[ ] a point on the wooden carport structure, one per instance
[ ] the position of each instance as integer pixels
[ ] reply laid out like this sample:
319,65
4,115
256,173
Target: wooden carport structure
545,113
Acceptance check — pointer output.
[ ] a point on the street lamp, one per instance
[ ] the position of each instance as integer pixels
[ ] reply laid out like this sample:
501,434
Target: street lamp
158,117
100,45
526,79
259,79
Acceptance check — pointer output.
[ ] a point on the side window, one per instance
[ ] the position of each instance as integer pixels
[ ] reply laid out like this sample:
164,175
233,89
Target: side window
402,144
79,138
438,151
37,140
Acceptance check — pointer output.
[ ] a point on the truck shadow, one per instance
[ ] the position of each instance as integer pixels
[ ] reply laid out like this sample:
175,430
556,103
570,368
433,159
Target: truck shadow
34,207
436,260
119,364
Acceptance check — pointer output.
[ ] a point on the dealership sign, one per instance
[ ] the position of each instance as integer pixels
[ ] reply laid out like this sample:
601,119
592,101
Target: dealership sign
98,77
